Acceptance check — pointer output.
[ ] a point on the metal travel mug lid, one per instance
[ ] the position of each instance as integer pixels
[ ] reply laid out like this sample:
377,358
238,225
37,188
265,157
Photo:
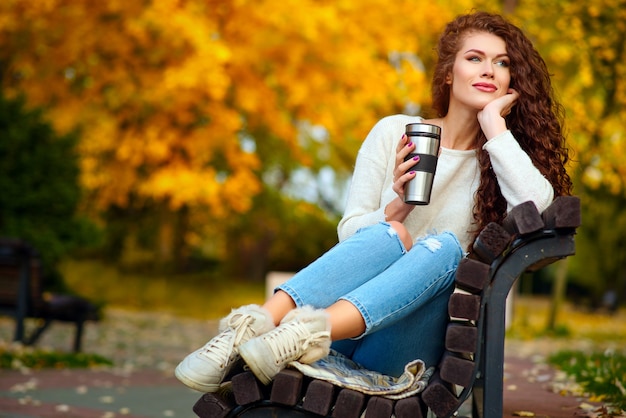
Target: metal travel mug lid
423,128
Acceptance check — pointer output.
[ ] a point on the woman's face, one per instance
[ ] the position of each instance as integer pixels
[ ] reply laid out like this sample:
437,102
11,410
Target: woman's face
481,71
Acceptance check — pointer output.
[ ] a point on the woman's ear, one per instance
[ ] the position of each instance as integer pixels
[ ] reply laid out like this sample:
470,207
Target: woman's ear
449,78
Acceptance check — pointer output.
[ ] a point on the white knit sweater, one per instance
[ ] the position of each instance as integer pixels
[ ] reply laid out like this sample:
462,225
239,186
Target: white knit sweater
456,180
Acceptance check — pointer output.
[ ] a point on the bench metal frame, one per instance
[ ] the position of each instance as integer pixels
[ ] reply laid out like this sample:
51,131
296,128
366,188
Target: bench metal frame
529,254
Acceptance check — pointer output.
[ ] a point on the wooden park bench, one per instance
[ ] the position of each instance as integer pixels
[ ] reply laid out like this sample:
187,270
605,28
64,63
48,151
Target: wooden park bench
22,295
473,361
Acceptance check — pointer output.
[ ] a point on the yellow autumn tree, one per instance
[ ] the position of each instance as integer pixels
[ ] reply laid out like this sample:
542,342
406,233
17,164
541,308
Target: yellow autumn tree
585,46
182,104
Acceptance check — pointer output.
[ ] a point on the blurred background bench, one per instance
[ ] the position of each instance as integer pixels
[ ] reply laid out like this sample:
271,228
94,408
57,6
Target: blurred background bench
22,295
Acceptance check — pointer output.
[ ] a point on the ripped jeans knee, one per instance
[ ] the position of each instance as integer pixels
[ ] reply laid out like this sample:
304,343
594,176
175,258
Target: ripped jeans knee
431,243
436,242
402,233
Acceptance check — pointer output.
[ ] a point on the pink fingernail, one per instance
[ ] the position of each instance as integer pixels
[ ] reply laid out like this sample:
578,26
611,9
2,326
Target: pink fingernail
416,158
411,172
409,144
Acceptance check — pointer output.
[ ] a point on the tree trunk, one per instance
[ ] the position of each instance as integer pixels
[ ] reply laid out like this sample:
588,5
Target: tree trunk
166,232
558,294
171,248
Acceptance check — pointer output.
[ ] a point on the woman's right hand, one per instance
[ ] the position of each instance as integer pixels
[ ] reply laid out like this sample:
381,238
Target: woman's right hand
400,174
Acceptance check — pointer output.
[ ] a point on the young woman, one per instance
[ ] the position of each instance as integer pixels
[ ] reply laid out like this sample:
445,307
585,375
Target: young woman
381,294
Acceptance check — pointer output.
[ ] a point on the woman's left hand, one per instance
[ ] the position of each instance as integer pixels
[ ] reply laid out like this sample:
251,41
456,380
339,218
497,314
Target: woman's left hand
491,118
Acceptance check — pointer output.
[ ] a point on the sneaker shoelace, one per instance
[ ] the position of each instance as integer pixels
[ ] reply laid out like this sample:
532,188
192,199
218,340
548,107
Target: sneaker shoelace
289,341
222,347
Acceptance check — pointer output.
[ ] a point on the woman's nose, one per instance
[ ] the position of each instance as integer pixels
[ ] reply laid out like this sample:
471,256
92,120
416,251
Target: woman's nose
488,70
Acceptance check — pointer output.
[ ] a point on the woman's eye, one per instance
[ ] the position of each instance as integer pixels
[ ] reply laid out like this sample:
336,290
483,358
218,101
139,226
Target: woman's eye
474,59
503,63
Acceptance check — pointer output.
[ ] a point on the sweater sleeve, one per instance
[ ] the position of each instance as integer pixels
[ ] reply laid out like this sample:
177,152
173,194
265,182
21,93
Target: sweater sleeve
519,180
365,204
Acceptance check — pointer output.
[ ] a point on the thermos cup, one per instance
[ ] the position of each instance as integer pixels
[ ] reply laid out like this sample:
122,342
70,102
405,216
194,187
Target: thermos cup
426,138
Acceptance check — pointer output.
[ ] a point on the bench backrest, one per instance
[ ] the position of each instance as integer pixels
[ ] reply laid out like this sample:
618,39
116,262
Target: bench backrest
474,358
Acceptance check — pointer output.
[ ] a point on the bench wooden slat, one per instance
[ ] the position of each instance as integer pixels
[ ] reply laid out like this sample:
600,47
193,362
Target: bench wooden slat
564,212
464,306
491,242
287,387
412,407
461,337
349,404
472,275
379,407
319,397
439,397
456,370
523,219
246,388
213,405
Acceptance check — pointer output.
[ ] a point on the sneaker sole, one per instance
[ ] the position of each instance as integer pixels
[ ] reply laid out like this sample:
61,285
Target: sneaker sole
190,383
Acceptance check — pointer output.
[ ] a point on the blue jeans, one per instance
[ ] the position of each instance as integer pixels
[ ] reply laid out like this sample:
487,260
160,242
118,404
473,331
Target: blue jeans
402,296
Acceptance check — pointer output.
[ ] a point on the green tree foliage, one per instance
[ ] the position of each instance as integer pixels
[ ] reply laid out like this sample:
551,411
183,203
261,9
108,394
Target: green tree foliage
600,262
278,234
39,185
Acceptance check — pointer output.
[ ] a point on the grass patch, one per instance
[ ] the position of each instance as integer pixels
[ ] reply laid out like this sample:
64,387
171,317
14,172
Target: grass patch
203,296
602,374
587,346
17,357
530,320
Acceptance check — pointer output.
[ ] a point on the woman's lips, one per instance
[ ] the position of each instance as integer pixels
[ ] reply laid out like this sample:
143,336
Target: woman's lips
486,87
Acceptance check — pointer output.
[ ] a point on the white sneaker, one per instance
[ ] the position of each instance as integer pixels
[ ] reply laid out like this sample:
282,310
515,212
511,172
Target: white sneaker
303,335
205,368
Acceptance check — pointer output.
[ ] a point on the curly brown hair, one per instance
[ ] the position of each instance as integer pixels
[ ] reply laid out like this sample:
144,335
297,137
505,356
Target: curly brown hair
536,120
